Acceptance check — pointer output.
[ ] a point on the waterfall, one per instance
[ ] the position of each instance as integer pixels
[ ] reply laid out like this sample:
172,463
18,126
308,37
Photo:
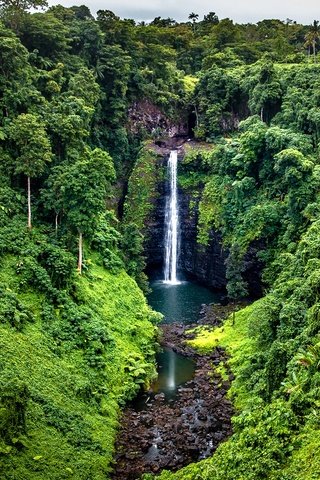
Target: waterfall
172,224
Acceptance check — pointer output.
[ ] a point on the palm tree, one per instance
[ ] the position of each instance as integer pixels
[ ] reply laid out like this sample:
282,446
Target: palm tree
193,17
311,38
308,43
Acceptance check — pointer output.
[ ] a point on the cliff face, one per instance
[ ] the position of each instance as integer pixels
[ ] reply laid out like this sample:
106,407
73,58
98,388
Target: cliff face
145,116
154,236
205,264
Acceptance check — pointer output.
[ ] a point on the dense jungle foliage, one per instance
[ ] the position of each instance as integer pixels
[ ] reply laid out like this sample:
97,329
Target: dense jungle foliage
81,98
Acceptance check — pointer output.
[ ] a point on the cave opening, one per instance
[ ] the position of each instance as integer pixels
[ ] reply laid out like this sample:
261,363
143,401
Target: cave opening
192,123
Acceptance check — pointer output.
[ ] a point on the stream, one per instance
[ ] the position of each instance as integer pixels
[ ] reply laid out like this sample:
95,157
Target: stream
184,415
179,303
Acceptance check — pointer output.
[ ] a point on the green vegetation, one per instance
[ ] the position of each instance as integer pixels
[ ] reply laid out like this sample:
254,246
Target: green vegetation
139,208
142,188
65,373
261,187
81,101
72,350
274,348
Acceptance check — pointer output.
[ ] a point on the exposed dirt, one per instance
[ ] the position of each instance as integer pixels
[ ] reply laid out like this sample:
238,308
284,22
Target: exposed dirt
170,435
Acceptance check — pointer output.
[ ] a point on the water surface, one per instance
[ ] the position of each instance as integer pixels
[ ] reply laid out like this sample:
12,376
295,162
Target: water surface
173,370
180,303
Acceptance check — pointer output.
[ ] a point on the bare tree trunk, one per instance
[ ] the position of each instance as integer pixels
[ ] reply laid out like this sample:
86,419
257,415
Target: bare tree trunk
314,51
80,254
56,223
29,204
261,114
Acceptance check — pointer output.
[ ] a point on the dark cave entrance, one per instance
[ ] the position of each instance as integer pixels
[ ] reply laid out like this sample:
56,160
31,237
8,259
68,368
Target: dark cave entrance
192,123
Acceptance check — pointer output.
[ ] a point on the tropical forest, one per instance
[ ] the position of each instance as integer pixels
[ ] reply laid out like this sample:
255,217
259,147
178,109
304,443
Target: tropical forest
159,246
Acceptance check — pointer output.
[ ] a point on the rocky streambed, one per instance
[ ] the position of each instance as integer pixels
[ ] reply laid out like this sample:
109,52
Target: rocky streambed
169,434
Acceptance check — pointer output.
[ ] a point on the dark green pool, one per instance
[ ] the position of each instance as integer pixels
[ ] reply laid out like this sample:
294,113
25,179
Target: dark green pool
180,303
173,370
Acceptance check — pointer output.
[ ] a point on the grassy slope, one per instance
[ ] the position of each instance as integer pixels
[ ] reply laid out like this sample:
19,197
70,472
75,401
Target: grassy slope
69,424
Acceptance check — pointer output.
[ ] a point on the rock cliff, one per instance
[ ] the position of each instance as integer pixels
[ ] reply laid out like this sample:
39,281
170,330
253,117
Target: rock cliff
205,264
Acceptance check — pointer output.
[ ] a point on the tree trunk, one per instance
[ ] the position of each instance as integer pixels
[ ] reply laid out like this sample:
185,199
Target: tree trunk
314,51
29,204
261,114
80,253
56,223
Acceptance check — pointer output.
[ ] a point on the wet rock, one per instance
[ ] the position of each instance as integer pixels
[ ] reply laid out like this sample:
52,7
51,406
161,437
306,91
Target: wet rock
146,420
202,416
160,397
171,435
146,116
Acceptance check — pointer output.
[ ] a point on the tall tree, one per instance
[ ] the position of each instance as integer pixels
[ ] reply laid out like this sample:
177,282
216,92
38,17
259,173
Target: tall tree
193,17
312,37
81,191
12,11
32,149
211,18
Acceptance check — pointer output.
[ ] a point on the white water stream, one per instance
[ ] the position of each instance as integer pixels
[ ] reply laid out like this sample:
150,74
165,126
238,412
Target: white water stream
172,224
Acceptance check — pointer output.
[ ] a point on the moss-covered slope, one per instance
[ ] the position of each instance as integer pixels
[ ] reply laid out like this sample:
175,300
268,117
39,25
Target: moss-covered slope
65,373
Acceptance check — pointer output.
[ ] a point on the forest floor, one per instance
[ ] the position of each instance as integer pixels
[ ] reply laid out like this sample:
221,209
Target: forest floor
171,434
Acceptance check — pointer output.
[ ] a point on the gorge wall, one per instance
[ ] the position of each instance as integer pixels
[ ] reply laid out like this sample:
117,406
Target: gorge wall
205,264
145,206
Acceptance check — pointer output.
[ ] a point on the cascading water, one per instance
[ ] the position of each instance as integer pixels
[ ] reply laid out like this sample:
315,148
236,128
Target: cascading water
172,224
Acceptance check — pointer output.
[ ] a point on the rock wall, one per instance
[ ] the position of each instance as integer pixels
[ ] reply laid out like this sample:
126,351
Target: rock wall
154,237
203,264
144,116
